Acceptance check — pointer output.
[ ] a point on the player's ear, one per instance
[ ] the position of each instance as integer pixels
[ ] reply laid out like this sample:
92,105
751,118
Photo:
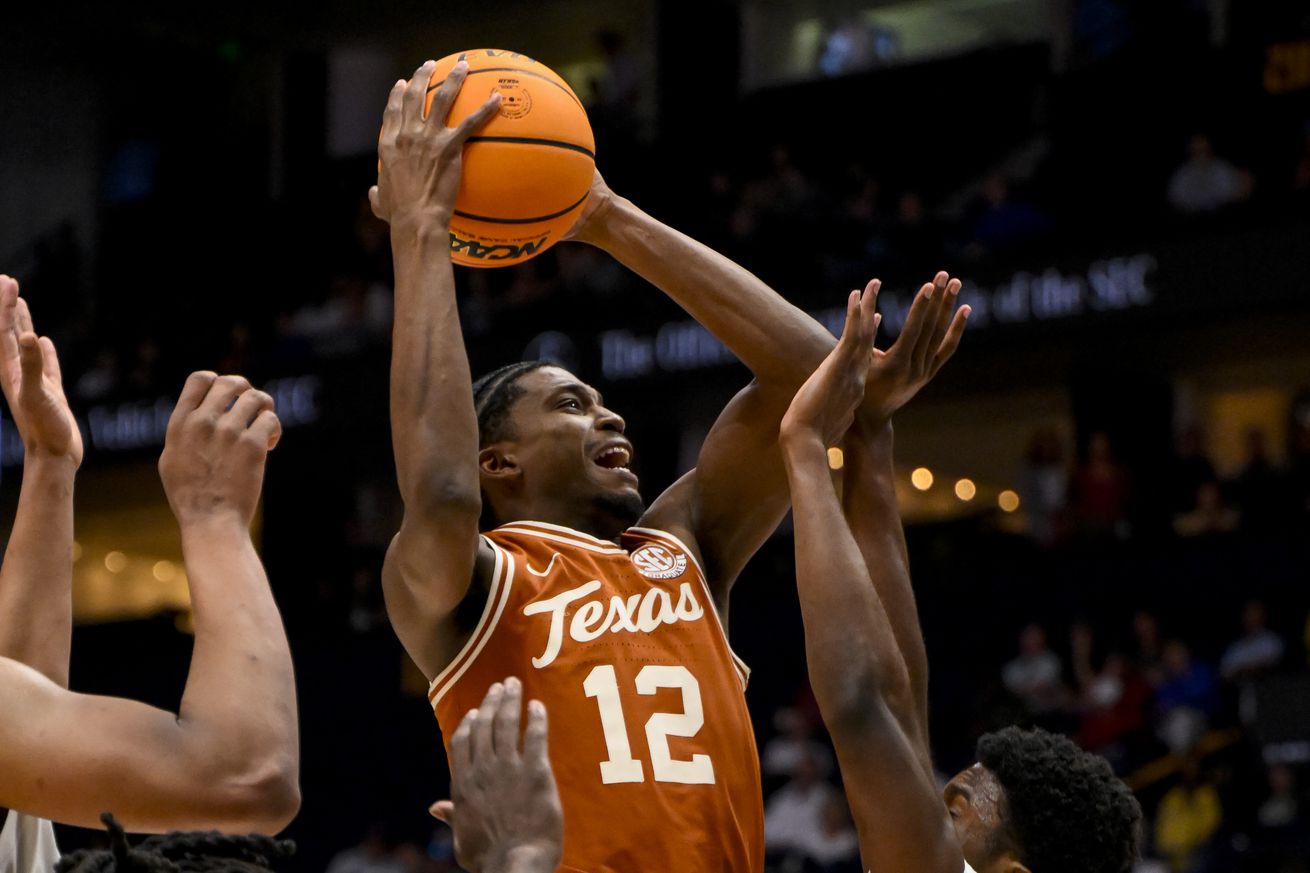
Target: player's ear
1011,864
498,462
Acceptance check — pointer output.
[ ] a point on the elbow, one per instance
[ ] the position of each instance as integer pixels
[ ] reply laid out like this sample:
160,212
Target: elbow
261,800
445,496
862,694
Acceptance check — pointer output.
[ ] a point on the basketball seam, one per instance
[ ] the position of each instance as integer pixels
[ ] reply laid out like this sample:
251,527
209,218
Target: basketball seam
535,140
491,220
547,79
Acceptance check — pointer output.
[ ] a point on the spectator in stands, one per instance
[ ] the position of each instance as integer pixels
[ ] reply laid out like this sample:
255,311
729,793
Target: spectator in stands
1258,651
834,846
1282,808
1149,652
1003,222
1205,182
1044,487
1211,515
1187,698
1187,821
1100,491
914,236
794,746
795,812
373,855
1111,702
1035,675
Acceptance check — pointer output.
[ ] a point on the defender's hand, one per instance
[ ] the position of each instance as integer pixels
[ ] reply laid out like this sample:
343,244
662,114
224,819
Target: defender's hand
592,220
218,439
505,811
930,337
30,378
419,157
824,407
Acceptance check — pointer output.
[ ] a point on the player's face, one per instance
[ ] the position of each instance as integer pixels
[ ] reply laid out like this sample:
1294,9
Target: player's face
975,799
571,447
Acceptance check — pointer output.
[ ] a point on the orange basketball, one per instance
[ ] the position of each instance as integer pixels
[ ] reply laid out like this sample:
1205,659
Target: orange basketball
528,171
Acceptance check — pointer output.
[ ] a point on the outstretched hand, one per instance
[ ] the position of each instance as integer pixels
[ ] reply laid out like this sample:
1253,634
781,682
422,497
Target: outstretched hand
599,200
505,809
931,334
420,159
824,407
31,380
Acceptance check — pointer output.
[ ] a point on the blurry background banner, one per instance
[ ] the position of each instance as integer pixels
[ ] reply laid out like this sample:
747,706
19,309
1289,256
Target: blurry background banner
1108,491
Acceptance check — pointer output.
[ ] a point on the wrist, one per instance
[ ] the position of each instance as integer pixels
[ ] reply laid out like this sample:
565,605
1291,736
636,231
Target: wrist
209,525
523,859
421,227
605,227
37,459
801,443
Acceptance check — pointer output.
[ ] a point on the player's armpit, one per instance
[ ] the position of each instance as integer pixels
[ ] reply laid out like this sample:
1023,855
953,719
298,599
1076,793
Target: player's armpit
68,757
429,572
736,496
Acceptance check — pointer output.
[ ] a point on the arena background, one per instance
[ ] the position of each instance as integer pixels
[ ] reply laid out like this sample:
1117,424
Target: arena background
1124,186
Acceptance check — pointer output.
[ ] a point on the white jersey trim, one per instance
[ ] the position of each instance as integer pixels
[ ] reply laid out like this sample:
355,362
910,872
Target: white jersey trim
743,670
561,529
607,549
502,579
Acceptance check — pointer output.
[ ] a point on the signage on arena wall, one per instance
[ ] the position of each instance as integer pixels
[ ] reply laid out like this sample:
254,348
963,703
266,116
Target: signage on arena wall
1107,285
135,425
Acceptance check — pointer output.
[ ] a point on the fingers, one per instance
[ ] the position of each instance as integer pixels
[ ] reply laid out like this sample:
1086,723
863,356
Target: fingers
267,429
851,327
442,810
193,392
23,317
535,748
461,749
416,92
8,301
222,393
248,407
938,318
483,745
869,317
447,91
506,729
391,116
915,320
31,359
51,358
951,342
375,201
478,118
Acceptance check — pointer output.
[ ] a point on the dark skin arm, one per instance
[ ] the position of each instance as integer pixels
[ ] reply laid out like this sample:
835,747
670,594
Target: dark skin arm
856,668
737,494
433,559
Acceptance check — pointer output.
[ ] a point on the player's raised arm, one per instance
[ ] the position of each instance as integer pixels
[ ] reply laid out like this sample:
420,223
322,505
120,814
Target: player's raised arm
36,579
434,428
737,495
229,759
932,332
856,669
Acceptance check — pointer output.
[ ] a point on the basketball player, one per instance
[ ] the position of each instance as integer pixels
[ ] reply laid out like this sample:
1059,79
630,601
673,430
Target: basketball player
1034,803
229,759
609,612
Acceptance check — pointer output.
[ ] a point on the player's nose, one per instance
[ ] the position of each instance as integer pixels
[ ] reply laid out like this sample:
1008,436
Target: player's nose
608,419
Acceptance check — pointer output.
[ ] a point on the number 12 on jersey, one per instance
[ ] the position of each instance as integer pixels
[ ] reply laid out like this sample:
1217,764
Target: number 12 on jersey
602,684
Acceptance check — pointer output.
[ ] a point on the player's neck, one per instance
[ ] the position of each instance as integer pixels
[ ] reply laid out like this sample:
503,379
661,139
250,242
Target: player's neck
599,525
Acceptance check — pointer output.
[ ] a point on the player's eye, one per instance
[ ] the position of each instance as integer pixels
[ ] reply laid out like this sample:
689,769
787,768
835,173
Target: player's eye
569,403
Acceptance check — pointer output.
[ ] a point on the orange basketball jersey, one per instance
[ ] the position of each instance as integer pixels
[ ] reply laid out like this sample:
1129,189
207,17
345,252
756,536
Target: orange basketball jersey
649,734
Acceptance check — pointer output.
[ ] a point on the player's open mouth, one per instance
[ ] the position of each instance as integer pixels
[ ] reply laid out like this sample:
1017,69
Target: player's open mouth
614,458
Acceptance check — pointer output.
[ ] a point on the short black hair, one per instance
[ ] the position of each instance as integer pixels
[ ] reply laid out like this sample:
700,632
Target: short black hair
494,394
178,852
1064,811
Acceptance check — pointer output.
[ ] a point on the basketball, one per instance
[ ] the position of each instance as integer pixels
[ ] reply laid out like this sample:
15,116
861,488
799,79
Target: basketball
527,173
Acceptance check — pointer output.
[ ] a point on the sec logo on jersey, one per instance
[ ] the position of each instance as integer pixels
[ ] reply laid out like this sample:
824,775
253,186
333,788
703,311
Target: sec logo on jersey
656,562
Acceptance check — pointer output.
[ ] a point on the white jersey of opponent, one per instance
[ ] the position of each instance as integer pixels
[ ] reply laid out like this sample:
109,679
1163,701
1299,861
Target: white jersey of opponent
27,844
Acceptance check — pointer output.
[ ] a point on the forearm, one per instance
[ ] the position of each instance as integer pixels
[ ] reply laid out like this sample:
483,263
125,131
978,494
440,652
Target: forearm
778,342
871,509
433,422
239,704
36,580
848,641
